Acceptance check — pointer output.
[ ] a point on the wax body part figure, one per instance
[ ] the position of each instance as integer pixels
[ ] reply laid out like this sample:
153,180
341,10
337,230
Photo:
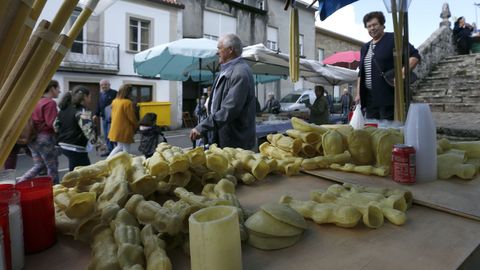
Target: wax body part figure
75,127
232,105
319,110
376,56
461,36
43,149
107,95
272,105
124,121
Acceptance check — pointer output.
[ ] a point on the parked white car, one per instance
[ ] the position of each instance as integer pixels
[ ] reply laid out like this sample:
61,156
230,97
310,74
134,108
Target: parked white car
295,101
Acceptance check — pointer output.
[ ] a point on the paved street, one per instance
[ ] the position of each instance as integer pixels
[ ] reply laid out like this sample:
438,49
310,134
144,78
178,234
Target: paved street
176,137
180,138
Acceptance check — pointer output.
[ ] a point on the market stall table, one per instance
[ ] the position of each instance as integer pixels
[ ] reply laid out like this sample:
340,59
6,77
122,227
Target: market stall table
456,196
430,239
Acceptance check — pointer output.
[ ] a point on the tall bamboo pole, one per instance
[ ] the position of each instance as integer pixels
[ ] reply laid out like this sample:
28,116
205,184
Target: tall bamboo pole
28,52
43,78
32,65
10,103
29,26
294,45
7,14
406,57
11,35
399,113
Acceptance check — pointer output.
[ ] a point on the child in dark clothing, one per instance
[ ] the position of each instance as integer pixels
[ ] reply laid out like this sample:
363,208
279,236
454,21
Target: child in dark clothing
149,132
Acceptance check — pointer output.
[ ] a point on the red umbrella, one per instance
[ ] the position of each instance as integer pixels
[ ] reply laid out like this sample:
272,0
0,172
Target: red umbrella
347,59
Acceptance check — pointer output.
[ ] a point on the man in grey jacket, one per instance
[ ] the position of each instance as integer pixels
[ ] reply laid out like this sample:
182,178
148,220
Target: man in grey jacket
231,122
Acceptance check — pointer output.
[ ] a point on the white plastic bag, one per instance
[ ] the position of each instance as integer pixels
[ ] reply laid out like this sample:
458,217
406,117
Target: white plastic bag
357,122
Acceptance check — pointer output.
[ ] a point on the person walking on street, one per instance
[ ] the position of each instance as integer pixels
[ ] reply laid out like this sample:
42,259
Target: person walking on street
43,147
107,95
376,58
319,110
75,127
149,135
347,102
231,117
272,105
201,113
124,121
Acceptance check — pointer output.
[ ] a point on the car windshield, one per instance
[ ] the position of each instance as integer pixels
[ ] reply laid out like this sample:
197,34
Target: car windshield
290,98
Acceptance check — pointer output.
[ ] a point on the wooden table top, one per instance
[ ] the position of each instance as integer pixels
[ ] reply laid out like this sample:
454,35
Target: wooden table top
455,196
430,239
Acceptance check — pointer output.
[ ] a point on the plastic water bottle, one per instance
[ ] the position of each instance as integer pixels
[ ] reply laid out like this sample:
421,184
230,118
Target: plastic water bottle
421,133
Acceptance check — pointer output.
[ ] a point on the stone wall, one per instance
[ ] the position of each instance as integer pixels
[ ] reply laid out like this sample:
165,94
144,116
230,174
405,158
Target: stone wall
435,48
332,42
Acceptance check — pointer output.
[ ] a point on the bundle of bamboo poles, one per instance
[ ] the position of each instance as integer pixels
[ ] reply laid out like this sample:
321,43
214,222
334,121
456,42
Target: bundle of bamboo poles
294,48
32,59
398,28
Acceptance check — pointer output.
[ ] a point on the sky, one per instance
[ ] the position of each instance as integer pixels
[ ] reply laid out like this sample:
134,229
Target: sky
423,17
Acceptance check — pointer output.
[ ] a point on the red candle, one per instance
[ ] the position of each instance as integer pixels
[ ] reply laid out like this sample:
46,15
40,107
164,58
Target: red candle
6,234
38,213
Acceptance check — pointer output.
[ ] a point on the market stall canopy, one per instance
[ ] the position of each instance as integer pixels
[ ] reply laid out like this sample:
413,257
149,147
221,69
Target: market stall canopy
184,59
346,59
331,75
179,60
268,62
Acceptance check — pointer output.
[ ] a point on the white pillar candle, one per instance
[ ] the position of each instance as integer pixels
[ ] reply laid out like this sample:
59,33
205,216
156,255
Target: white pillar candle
215,239
16,236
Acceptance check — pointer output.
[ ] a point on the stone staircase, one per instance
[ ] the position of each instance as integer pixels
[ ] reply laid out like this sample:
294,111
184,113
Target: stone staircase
452,88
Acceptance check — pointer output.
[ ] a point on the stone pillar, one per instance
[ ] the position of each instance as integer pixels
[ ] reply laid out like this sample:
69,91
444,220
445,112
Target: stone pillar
445,15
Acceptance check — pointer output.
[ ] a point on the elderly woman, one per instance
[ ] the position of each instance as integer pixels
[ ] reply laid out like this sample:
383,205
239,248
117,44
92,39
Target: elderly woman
461,35
124,121
376,57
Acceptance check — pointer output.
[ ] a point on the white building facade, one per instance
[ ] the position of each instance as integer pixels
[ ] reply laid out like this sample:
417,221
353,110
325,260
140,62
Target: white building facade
106,47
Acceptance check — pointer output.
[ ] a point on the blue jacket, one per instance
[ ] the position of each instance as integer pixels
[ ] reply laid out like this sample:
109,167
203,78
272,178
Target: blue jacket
105,99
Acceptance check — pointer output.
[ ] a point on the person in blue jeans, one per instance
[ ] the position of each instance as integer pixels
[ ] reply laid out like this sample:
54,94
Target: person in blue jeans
107,95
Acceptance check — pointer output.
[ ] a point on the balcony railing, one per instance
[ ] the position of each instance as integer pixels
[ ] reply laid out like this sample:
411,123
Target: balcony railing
92,56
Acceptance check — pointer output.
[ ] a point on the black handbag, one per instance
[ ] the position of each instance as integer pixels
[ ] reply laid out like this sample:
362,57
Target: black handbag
389,75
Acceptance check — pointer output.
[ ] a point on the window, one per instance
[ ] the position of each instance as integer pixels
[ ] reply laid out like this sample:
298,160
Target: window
216,25
261,4
300,41
77,46
272,38
139,34
290,98
210,37
90,32
321,54
141,93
